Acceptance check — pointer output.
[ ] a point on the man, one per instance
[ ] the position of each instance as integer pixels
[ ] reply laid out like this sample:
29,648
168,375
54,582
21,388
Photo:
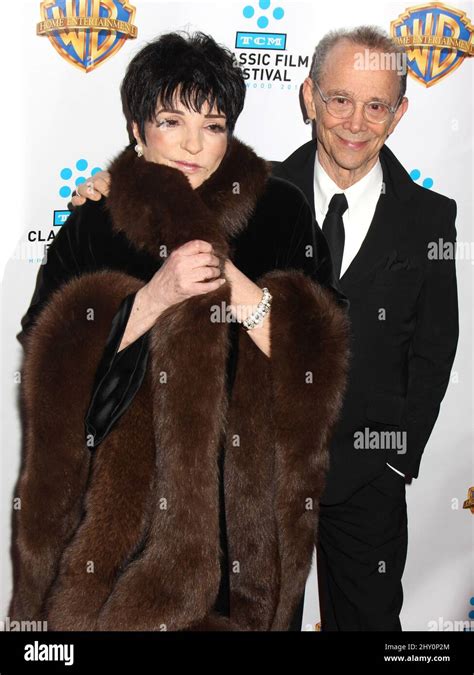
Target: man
404,317
403,310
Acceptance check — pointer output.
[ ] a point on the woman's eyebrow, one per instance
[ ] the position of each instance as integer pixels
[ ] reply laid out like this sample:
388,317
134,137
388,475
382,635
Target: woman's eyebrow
181,112
170,110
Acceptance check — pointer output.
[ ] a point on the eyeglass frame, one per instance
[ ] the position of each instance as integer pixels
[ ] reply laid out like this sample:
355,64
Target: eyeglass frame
391,109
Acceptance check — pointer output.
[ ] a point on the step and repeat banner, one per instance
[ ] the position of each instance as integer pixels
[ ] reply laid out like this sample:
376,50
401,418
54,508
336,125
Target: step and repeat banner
70,57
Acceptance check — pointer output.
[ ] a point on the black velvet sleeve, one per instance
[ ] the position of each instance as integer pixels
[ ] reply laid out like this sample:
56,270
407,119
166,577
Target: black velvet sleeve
118,377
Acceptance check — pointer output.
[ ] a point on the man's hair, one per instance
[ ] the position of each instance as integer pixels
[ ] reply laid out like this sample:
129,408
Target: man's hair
192,69
371,37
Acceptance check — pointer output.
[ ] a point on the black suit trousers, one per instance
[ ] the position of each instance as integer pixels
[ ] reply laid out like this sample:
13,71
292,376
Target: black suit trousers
361,553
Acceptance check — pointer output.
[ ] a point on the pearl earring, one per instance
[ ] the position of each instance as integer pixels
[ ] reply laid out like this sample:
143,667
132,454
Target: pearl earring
307,121
139,150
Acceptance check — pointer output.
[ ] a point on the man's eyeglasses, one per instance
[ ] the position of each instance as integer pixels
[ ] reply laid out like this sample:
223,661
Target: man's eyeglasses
344,106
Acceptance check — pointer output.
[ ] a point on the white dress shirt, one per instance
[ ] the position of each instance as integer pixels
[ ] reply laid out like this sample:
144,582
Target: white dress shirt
362,198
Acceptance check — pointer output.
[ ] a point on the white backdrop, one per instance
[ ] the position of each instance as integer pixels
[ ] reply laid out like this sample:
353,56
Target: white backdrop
56,115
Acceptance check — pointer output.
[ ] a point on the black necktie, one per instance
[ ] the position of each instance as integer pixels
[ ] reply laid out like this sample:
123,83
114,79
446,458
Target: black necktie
333,230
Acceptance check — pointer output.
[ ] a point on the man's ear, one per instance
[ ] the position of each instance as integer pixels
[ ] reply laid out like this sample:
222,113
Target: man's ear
400,111
308,89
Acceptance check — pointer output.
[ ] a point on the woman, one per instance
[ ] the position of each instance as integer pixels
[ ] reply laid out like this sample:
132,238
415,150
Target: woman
191,501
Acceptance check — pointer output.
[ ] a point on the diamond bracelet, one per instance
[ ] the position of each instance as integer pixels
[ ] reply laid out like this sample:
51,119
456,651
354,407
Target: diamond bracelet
262,310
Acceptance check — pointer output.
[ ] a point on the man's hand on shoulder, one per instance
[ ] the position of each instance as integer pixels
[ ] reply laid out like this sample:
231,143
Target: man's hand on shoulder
94,188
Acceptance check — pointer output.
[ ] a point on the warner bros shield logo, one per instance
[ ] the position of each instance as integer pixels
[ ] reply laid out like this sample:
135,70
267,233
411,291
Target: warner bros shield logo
87,32
437,38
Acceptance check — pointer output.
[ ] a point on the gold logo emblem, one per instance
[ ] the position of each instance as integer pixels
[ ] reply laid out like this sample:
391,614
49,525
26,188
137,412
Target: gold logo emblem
437,38
87,32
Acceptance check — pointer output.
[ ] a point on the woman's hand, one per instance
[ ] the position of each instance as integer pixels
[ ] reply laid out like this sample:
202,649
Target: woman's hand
95,187
191,269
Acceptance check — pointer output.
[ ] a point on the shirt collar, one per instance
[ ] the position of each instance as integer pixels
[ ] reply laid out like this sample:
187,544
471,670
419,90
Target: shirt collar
325,188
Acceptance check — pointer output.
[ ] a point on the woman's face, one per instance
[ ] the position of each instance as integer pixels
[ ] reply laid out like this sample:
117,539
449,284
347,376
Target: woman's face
193,142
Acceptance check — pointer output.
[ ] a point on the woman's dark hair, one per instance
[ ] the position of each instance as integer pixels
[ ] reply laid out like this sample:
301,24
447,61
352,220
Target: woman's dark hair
194,67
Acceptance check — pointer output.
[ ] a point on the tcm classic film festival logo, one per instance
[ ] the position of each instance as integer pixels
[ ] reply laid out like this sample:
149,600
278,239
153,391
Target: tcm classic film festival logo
87,32
262,54
437,38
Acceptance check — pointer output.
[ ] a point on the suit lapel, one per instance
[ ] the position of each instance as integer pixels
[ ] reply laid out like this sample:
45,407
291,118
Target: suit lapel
378,242
392,210
392,207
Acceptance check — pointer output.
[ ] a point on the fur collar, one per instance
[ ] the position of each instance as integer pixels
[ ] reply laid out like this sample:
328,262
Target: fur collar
144,508
155,206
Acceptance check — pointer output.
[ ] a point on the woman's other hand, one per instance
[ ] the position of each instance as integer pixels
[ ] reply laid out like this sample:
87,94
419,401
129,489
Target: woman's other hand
191,269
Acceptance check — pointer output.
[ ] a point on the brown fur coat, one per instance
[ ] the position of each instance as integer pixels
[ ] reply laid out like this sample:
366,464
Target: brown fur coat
126,537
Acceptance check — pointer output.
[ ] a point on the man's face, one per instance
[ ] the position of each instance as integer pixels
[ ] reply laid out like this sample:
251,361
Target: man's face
352,143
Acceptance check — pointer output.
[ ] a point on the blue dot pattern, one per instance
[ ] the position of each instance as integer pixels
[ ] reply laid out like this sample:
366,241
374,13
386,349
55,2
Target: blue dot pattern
66,174
262,21
427,183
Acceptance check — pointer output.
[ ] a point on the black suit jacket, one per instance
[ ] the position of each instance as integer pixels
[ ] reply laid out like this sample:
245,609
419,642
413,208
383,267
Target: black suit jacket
404,317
